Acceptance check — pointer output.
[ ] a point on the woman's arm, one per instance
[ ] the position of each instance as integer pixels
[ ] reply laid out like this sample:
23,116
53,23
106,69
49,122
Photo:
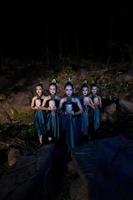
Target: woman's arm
61,102
43,107
91,104
44,103
100,101
79,106
33,107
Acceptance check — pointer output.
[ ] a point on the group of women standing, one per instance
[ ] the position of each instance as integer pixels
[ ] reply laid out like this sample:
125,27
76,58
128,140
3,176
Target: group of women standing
69,116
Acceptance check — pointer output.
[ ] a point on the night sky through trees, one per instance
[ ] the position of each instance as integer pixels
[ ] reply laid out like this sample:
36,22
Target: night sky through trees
93,32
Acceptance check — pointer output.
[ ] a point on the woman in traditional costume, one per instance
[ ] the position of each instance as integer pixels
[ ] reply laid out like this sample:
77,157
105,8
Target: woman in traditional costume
51,104
71,108
87,104
39,114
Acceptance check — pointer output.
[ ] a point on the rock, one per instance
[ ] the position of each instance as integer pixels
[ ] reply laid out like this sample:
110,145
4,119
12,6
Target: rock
13,156
2,97
128,96
78,185
125,77
104,116
108,113
8,110
28,178
4,116
128,78
21,98
4,145
78,190
107,166
126,106
110,109
19,102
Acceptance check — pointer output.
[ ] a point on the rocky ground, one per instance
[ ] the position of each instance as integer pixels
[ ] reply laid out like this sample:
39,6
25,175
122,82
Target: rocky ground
107,166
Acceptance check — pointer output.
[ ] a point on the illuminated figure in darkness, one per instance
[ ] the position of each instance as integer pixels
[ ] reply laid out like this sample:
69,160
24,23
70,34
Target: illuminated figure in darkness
51,104
87,104
39,114
70,108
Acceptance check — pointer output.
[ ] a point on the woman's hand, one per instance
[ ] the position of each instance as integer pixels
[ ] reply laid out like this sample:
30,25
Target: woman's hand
52,109
37,107
70,113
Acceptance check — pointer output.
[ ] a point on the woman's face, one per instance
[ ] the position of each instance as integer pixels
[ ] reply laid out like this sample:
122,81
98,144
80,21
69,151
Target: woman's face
69,90
84,91
94,90
39,90
52,89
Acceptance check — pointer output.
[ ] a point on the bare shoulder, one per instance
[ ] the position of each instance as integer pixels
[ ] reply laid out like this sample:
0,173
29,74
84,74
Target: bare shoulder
47,97
33,101
63,99
34,98
43,97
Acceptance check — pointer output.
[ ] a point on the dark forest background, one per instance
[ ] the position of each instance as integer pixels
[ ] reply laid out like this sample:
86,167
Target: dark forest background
100,32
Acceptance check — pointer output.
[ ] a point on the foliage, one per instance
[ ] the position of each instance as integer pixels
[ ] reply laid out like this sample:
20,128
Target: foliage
23,116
